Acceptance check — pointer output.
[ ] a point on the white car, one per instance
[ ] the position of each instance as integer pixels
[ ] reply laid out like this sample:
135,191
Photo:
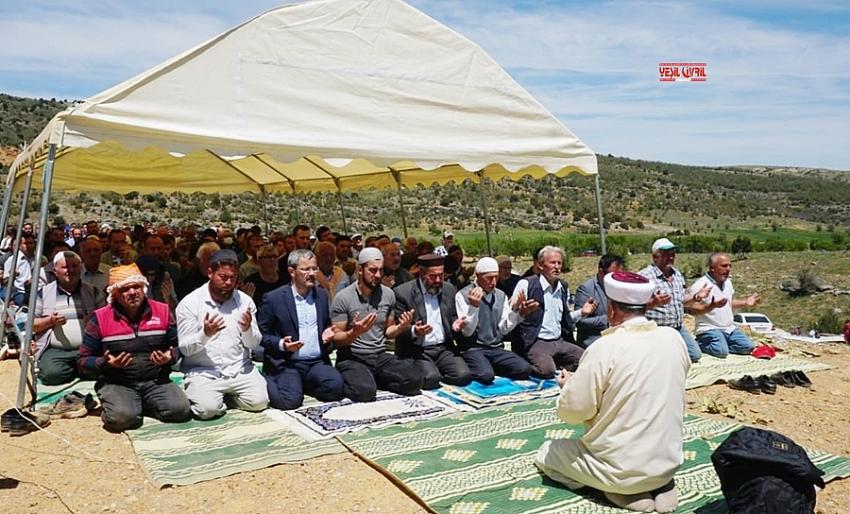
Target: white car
755,321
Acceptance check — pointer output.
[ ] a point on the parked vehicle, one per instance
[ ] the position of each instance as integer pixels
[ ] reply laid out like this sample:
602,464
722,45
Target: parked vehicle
755,321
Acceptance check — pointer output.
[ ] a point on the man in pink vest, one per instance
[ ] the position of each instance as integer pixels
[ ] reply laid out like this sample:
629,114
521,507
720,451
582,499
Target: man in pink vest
131,344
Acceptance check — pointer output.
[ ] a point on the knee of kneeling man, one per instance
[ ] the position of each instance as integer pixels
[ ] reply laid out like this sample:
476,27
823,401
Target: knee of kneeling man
118,421
202,411
464,379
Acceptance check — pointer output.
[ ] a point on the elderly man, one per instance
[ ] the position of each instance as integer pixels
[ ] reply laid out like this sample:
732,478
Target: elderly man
295,322
131,345
590,328
394,274
629,392
330,276
267,279
507,281
487,317
217,329
671,299
545,335
716,332
363,316
429,341
95,273
63,308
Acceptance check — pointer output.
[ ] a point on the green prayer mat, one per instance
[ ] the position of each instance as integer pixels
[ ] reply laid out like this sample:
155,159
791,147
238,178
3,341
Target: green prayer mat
49,394
482,462
710,370
191,452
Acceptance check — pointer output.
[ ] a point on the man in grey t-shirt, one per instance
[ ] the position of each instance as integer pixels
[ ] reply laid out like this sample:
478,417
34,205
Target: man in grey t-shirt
363,315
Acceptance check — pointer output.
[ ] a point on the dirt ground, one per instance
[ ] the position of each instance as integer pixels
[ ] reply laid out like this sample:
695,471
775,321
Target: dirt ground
48,472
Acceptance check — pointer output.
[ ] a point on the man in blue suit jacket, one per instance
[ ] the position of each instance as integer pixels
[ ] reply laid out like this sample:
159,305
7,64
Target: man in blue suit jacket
588,329
295,322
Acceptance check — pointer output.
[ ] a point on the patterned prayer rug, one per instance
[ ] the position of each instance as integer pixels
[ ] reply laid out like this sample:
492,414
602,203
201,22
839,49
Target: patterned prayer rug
501,392
710,370
191,452
482,462
388,408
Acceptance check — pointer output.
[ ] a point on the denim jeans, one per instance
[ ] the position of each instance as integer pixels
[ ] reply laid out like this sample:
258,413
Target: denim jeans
690,344
718,343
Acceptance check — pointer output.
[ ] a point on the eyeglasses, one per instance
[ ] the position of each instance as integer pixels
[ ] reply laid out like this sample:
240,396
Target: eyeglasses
308,270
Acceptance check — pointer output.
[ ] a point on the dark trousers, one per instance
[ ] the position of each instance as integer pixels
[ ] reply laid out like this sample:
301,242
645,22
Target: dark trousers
125,404
363,374
485,363
437,363
57,366
287,387
547,356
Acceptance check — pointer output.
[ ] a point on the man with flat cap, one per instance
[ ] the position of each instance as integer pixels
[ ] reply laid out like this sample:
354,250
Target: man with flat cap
217,329
629,391
362,314
429,341
488,316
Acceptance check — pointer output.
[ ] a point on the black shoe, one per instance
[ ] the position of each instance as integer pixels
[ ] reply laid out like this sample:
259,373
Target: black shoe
767,385
782,379
23,422
801,379
746,383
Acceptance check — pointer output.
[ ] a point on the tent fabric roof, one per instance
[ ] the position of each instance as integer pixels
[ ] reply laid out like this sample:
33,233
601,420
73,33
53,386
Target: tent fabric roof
329,95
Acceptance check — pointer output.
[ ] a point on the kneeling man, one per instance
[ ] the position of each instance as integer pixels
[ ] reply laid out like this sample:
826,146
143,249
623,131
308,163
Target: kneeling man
217,329
131,344
629,391
295,321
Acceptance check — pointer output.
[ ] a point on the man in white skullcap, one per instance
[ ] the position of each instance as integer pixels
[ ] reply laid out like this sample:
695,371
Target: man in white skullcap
629,391
488,316
363,316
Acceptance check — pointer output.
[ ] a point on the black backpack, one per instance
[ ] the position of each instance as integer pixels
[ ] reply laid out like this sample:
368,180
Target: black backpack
762,472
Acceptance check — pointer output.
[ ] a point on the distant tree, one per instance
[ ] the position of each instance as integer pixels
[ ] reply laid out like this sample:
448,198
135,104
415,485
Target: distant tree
742,245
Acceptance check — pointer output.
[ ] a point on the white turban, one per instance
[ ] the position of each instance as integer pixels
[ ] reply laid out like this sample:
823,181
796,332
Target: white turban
629,288
487,265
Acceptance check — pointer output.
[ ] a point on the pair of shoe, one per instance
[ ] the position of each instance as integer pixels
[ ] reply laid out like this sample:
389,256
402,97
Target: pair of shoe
791,379
72,405
18,422
758,385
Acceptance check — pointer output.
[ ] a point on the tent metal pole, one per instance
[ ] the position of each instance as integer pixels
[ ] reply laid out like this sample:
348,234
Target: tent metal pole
265,208
599,215
10,280
397,177
342,212
26,363
482,185
7,202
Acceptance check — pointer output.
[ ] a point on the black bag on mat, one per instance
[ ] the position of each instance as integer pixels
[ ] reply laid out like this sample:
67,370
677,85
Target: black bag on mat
762,472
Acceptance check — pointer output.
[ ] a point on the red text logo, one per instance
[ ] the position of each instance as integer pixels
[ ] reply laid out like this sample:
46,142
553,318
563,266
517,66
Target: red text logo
681,72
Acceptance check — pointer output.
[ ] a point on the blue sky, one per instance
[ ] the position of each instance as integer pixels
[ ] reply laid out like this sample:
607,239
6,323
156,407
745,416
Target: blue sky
778,88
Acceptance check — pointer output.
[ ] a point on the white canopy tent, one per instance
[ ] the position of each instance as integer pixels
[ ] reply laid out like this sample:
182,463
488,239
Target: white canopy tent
328,95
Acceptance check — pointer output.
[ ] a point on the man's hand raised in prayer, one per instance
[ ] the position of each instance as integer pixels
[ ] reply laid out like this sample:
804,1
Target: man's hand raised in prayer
658,299
361,326
122,360
245,321
475,296
563,376
161,358
213,325
753,300
404,319
459,323
522,306
328,334
248,288
422,329
291,346
589,307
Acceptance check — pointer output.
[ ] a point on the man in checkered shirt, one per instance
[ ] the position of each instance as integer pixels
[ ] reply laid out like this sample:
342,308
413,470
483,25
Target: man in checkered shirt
671,298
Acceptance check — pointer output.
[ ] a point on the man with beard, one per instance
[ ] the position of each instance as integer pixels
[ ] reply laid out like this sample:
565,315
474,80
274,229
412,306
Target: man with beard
667,308
217,330
430,340
717,334
488,317
363,316
63,308
330,277
295,323
545,336
130,344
